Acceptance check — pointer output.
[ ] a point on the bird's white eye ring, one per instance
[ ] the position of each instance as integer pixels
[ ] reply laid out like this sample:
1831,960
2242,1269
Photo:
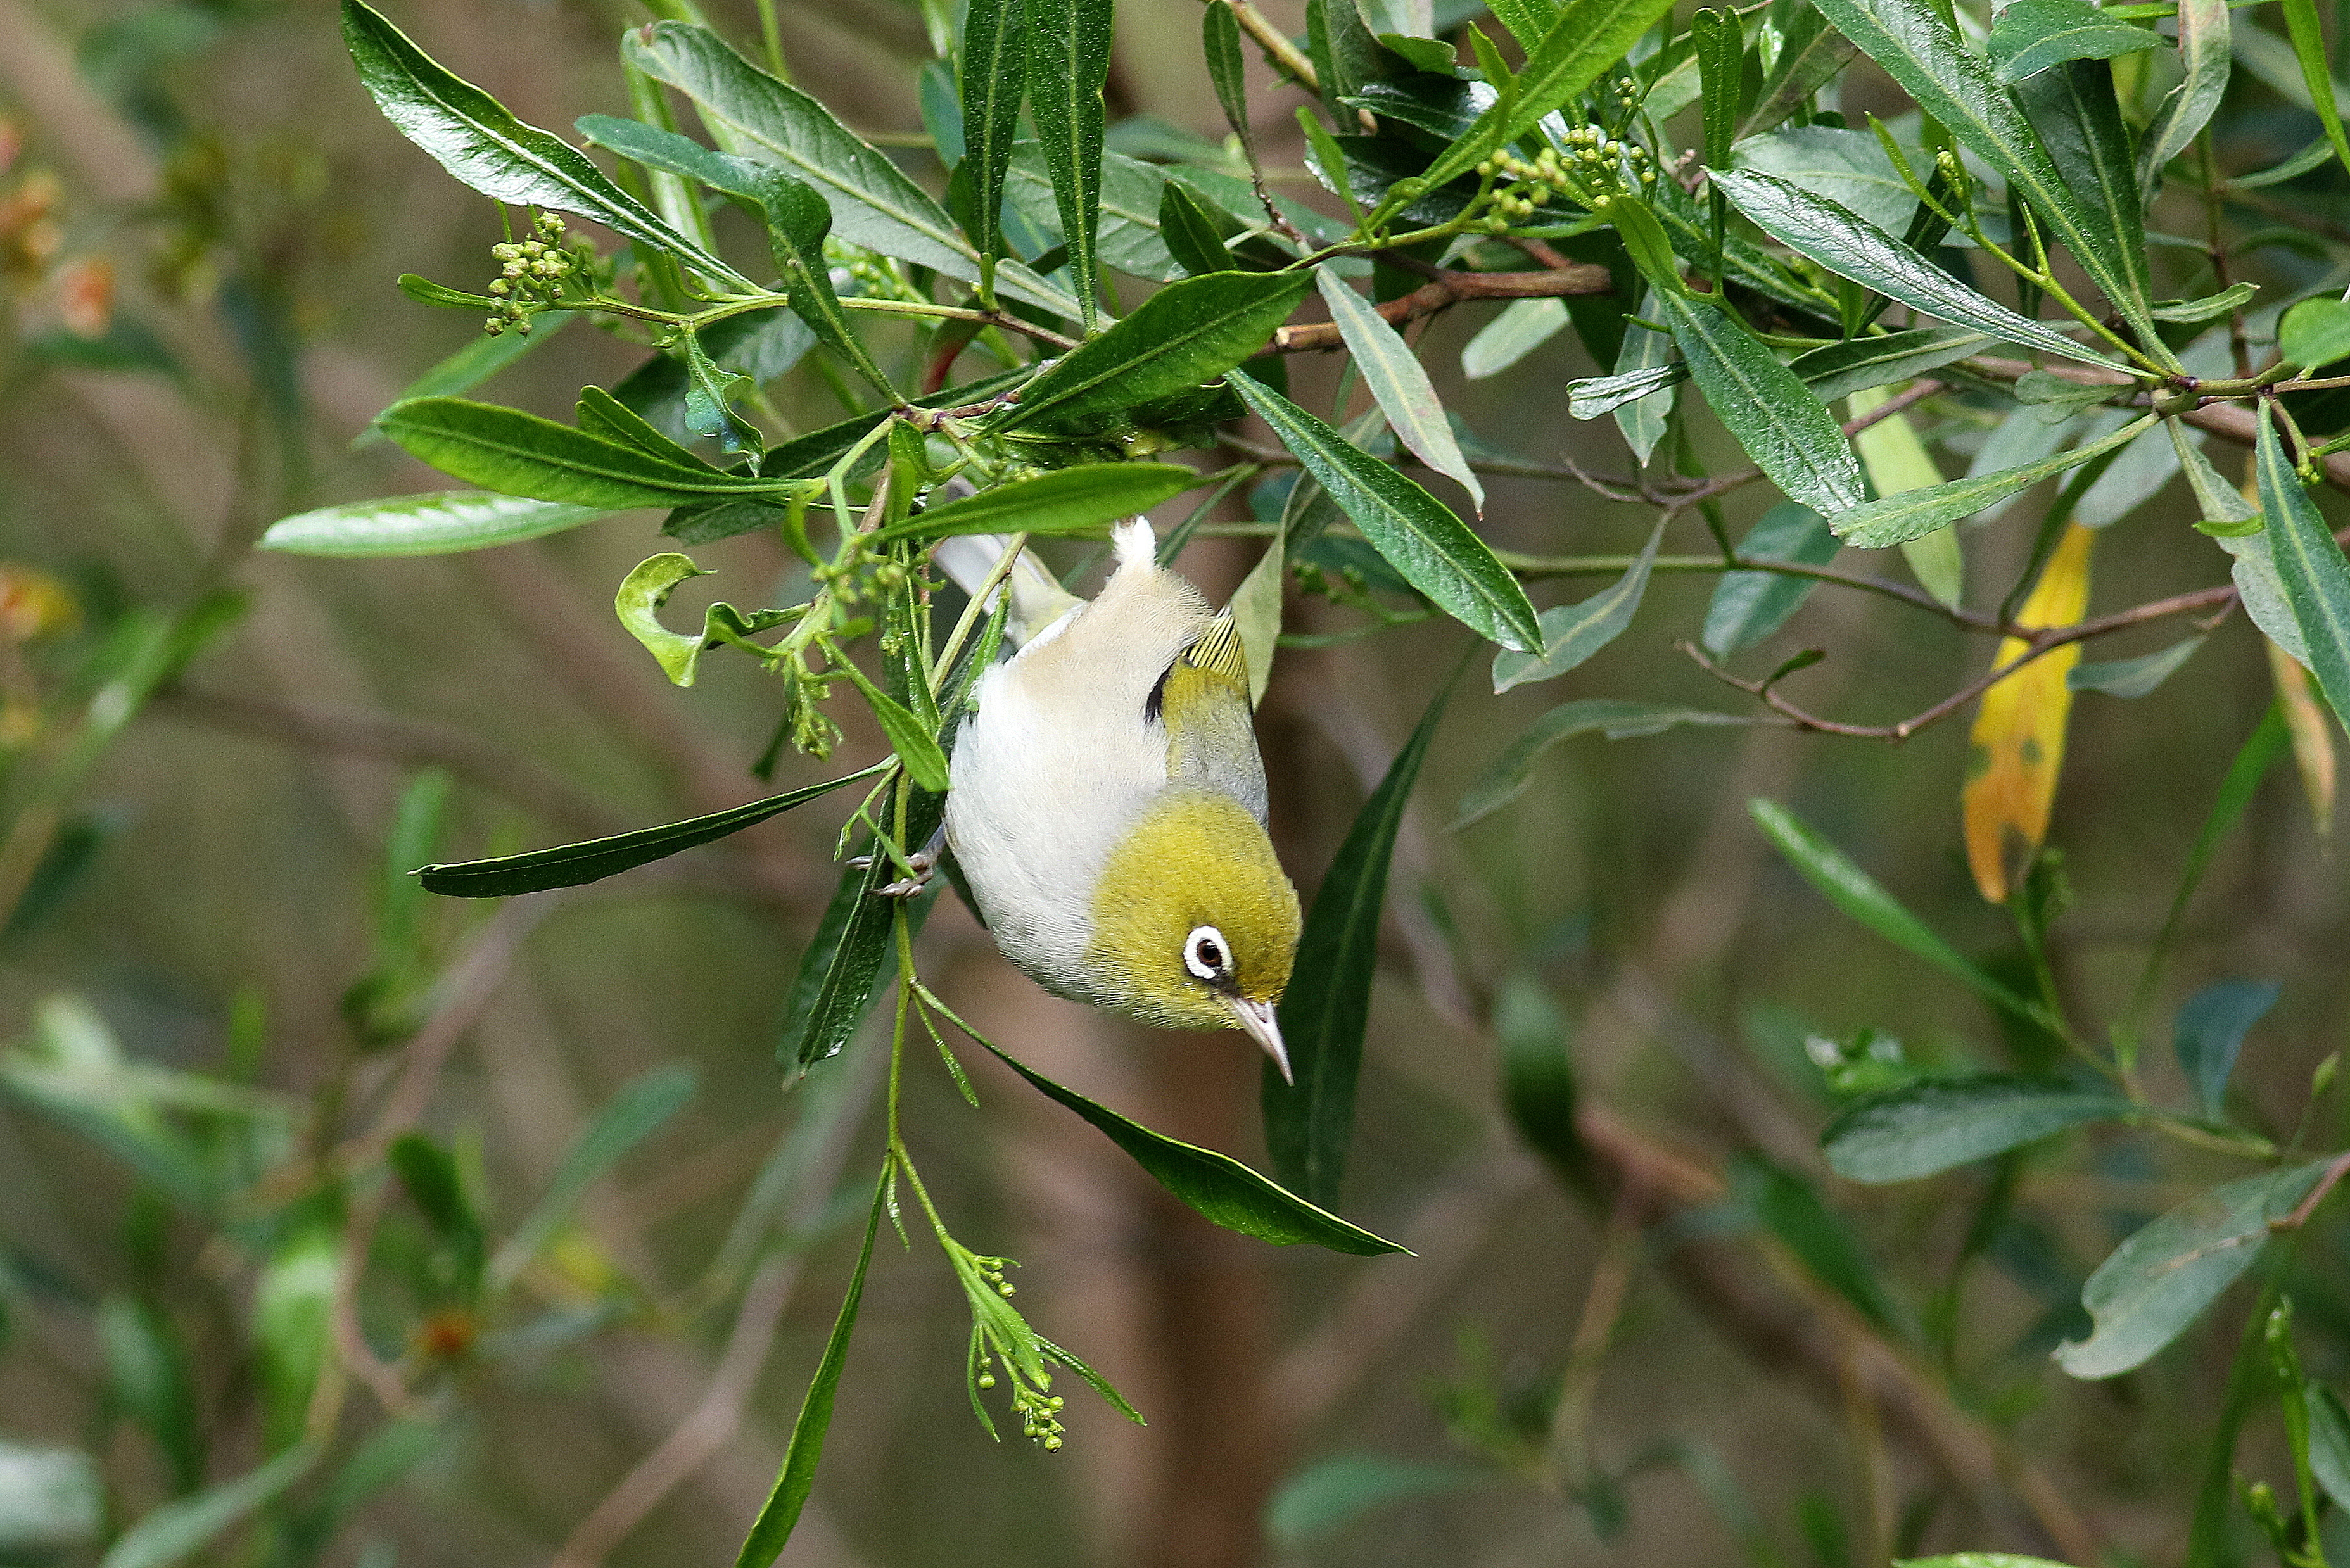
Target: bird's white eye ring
1206,953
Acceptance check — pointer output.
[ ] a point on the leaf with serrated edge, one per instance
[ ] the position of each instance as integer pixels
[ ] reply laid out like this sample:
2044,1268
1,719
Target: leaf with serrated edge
1850,246
479,141
1397,382
1418,534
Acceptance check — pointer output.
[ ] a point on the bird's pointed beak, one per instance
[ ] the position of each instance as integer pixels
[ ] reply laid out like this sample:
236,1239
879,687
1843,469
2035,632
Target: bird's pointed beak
1257,1018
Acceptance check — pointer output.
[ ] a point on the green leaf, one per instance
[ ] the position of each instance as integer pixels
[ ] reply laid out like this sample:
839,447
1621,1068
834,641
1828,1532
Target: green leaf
993,78
473,137
1331,1493
600,413
1192,237
781,1512
2329,1443
429,1175
1748,607
1185,335
841,971
2208,1030
593,859
2308,35
874,202
1522,326
2314,332
1572,633
1792,1211
149,1379
1914,513
52,1503
1529,21
2210,308
178,1530
1809,57
1643,418
1399,383
424,291
1851,246
2309,565
710,403
1850,168
1220,43
1068,65
1216,1186
2161,1279
1721,45
2222,505
1509,774
2079,120
1857,894
517,453
481,357
1588,36
2033,35
1257,612
1918,49
916,746
1925,1126
626,1120
431,524
1327,1007
638,605
1788,433
1593,395
1418,534
1065,501
1538,1085
2132,677
2203,56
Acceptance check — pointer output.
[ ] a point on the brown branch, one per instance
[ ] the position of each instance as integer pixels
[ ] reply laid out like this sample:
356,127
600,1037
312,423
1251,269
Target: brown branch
1448,289
1285,56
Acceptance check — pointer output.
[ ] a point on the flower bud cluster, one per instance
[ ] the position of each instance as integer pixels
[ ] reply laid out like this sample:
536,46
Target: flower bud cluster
1593,168
532,274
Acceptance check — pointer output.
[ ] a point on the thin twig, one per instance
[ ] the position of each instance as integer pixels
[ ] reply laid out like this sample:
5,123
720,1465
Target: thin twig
1447,289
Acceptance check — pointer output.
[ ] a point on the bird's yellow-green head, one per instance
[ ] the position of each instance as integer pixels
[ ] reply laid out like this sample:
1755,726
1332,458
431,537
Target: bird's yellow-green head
1195,926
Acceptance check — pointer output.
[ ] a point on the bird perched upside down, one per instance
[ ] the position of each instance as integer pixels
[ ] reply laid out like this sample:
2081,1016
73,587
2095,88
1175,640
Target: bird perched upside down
1107,804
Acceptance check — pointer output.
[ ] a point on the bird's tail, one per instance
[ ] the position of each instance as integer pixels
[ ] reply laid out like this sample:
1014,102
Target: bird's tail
1037,601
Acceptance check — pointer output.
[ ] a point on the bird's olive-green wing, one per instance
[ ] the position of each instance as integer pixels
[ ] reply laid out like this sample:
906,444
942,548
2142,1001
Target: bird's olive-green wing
1203,701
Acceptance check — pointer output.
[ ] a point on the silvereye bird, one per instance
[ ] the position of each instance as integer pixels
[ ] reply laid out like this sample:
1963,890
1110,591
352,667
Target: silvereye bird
1107,804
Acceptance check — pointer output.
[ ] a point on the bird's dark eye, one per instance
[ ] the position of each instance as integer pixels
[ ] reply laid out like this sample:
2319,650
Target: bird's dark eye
1206,954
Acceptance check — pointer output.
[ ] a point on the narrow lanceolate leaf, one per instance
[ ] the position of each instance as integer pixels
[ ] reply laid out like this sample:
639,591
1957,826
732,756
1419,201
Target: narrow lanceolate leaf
1327,1007
1065,500
2314,332
1642,417
182,1528
1593,395
2017,747
1898,462
2311,566
2158,1283
2032,35
432,524
1418,534
1397,382
624,1121
475,139
841,970
1216,1186
1522,326
1572,633
1918,49
1851,246
781,1513
1811,55
915,741
2209,1031
591,860
2133,677
2308,36
2222,505
2203,55
1918,513
1219,42
2079,120
1927,1125
1748,607
1788,433
994,75
517,453
1857,364
1184,335
1192,236
1513,771
1588,36
1858,894
1721,45
874,202
1068,64
2313,737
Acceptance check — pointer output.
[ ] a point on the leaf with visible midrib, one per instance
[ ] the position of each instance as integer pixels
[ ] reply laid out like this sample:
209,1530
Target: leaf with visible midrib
839,974
479,141
1062,501
993,80
1788,433
429,525
2311,566
1327,1006
1186,334
591,860
1572,633
1851,246
781,1512
1216,1186
517,453
1513,771
1398,383
1418,534
1930,1124
1914,513
1068,64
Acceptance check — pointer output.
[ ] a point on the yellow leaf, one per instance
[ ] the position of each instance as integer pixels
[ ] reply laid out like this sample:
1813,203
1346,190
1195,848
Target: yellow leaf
2313,735
1898,460
2018,744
